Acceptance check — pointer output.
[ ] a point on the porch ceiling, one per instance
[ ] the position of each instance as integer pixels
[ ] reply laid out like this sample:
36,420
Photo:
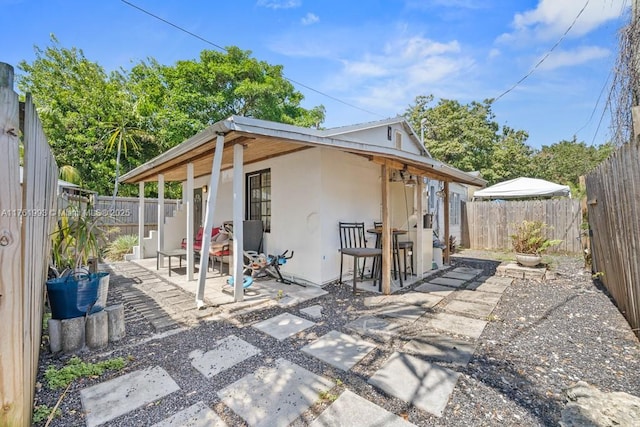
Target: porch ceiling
264,143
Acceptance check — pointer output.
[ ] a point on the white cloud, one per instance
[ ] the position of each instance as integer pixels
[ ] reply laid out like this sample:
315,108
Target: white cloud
310,18
279,4
551,18
560,59
494,53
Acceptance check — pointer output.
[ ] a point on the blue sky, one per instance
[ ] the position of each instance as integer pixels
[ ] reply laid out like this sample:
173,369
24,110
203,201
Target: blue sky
376,55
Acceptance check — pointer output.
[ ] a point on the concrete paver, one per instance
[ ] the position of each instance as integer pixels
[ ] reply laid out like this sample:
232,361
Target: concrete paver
442,348
470,308
425,385
478,296
458,325
340,350
283,325
352,410
226,353
314,311
401,311
274,396
467,270
434,289
460,276
110,399
198,415
454,283
375,327
492,284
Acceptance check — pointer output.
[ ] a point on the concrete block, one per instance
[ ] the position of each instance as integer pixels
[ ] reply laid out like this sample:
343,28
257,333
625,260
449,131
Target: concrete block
97,330
73,334
115,322
55,335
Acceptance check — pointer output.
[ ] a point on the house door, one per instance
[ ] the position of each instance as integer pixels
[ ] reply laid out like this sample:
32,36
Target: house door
197,209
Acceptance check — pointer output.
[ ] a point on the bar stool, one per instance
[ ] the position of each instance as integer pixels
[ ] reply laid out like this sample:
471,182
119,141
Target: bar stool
405,246
397,247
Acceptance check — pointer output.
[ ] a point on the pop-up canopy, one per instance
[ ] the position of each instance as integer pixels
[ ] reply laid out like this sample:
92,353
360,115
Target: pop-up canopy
522,188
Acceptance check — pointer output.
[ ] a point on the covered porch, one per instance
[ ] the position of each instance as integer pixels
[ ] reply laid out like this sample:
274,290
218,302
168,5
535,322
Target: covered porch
225,150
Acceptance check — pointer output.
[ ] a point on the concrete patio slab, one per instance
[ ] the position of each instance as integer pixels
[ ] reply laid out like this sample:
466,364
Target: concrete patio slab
198,415
352,410
425,385
478,296
283,325
375,327
434,289
107,400
467,270
421,299
459,276
274,396
454,283
400,311
340,350
471,308
226,353
458,325
442,348
314,311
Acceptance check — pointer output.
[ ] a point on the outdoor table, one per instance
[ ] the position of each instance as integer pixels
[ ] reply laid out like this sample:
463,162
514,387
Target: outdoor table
180,253
396,258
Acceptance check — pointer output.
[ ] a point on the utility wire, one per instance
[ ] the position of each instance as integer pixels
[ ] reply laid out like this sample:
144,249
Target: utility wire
545,56
595,107
184,30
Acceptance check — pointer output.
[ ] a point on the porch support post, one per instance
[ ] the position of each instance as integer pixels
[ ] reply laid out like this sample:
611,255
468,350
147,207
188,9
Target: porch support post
161,216
141,220
210,208
386,233
190,213
445,238
238,232
419,245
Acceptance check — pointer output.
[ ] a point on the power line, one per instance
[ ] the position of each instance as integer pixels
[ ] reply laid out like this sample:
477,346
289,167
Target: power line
595,107
184,30
546,55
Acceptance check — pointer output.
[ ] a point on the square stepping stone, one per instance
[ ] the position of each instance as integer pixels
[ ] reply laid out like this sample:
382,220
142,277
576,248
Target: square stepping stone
110,399
400,311
478,296
198,415
226,353
283,325
434,289
274,396
454,283
441,347
467,270
470,308
375,327
493,284
352,410
419,298
425,385
340,350
314,311
460,276
458,325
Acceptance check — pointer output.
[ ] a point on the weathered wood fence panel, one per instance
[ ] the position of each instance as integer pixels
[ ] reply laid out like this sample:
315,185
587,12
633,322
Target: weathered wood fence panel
488,225
613,202
26,221
122,217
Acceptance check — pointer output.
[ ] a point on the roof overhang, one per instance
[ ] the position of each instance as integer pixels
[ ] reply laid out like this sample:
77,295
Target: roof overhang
263,140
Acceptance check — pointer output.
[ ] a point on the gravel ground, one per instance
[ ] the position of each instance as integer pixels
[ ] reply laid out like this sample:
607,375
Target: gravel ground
541,338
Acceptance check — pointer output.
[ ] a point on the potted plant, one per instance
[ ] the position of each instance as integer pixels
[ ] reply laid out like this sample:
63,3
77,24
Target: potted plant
76,288
530,242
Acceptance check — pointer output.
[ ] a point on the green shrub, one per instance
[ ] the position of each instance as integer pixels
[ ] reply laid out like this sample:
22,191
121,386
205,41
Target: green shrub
530,238
42,412
76,368
121,246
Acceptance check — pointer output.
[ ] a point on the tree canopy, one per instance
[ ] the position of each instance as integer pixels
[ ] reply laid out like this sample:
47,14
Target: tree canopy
153,107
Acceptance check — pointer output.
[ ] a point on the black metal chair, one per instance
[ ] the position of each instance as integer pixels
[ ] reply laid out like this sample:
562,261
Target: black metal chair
353,243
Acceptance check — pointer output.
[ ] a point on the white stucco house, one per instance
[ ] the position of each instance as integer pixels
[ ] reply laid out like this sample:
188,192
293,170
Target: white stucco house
300,182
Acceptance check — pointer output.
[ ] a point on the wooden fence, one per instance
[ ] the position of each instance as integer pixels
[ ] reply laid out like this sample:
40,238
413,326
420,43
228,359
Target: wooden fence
122,217
27,215
488,225
613,204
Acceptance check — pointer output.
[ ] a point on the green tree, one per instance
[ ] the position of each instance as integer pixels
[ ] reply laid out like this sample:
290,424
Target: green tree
469,138
565,161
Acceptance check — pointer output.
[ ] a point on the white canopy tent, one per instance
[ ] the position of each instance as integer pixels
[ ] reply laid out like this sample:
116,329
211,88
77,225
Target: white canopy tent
522,188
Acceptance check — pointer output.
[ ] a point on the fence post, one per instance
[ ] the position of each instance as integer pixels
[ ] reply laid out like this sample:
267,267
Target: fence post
12,365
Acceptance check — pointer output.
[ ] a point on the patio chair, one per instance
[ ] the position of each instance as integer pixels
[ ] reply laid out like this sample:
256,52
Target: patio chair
197,241
353,243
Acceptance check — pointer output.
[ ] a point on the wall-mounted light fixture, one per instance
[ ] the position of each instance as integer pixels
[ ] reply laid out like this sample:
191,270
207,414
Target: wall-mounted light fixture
204,188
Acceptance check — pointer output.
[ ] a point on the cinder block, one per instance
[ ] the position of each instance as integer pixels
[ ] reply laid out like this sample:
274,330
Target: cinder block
97,330
55,335
116,322
73,334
